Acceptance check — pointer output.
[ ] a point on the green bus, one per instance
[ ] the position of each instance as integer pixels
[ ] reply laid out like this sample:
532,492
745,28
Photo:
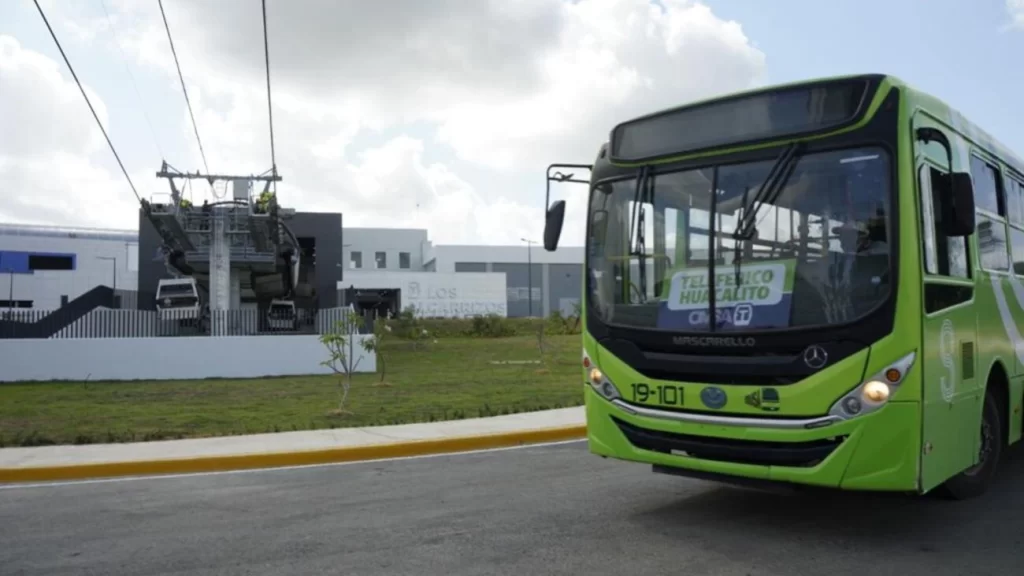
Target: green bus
814,283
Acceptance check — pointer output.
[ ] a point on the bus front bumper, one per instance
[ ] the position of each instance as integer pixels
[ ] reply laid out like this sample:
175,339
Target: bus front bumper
878,451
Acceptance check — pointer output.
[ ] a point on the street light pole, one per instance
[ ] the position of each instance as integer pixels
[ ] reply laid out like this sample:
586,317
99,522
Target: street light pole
529,270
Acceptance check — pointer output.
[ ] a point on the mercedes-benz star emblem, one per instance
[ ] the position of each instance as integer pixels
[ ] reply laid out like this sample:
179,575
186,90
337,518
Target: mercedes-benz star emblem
815,356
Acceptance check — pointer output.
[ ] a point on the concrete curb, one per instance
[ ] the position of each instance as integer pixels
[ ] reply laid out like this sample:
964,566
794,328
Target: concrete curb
284,459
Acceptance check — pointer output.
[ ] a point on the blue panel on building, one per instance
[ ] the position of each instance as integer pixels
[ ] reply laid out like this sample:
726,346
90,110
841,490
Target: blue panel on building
19,262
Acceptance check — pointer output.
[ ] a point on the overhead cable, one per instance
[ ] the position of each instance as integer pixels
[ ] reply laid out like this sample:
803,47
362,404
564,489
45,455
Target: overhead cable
184,90
87,101
270,107
127,68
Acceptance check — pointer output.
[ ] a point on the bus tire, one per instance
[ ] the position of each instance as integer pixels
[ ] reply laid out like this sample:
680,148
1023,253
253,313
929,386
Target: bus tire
976,480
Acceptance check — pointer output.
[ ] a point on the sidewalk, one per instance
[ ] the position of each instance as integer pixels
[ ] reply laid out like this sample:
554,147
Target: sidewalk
287,448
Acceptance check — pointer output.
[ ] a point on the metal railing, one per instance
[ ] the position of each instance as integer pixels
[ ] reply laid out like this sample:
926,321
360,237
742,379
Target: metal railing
112,323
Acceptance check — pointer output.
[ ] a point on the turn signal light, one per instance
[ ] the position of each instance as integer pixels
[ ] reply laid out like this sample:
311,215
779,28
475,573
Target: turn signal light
893,375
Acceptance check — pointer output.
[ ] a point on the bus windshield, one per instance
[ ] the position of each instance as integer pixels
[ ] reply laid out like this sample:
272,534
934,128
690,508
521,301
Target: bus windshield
817,253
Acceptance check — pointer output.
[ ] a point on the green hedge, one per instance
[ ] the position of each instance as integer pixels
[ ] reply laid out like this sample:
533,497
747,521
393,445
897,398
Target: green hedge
409,327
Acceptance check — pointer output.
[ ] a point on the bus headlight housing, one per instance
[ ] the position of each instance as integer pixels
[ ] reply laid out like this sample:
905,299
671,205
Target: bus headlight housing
874,392
596,378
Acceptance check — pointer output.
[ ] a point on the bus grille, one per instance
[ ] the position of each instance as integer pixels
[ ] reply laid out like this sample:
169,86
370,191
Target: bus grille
792,454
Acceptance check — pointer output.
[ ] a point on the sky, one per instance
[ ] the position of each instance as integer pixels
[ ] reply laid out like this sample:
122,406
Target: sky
440,115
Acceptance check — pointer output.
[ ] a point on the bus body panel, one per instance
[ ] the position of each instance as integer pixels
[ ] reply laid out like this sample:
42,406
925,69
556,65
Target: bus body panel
876,454
968,345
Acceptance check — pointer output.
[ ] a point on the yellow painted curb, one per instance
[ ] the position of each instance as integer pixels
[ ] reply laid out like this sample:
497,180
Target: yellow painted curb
282,459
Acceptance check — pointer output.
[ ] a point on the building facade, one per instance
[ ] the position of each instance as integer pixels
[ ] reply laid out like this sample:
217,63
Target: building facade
45,267
537,282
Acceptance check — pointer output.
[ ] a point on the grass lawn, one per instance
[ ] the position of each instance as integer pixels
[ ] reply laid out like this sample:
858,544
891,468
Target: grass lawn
451,379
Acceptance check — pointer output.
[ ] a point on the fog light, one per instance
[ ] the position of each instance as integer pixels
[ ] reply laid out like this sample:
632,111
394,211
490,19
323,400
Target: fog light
852,406
876,392
608,390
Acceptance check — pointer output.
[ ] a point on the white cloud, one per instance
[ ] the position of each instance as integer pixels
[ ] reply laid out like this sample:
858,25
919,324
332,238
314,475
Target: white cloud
497,89
616,59
33,89
49,147
1016,10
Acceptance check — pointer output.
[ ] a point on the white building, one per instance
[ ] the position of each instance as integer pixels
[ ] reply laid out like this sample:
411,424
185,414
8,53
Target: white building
43,267
47,266
390,259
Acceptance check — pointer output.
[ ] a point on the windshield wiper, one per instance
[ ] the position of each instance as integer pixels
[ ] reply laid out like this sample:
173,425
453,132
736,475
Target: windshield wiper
767,193
644,193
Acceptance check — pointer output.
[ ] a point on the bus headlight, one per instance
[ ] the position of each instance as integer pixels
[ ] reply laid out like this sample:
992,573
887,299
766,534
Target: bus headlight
876,392
596,378
873,393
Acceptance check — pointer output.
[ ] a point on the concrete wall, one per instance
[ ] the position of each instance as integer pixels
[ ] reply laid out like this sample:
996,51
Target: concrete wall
182,358
519,278
555,286
448,256
101,257
326,228
437,294
563,286
393,242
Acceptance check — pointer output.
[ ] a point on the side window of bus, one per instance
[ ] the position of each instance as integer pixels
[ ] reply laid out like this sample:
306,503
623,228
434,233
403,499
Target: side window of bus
1015,216
944,256
991,235
986,187
991,232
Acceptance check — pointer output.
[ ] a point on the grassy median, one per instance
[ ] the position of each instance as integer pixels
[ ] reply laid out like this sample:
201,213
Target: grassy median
450,379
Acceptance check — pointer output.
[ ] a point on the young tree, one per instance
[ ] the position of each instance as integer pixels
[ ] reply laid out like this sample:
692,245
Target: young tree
343,358
381,333
577,315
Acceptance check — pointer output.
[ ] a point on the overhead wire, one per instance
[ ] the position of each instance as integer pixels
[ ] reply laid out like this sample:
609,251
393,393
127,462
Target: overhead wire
270,107
87,101
127,68
184,90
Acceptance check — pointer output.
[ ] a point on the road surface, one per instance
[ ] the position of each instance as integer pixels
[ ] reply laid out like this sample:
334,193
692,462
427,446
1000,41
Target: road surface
535,511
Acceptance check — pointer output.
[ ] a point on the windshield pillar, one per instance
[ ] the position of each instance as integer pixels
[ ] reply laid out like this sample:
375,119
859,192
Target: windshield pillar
712,256
660,258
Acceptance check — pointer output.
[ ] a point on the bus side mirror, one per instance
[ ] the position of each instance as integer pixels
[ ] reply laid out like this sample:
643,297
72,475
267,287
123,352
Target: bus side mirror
959,220
553,225
958,217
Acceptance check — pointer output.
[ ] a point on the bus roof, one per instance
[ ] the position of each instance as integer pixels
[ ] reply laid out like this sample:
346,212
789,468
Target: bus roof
968,129
917,97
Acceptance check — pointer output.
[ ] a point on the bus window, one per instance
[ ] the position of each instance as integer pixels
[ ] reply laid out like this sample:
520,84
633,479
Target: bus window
986,187
1015,216
991,236
944,256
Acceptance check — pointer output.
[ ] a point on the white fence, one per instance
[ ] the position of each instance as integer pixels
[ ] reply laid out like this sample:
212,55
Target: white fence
109,323
182,358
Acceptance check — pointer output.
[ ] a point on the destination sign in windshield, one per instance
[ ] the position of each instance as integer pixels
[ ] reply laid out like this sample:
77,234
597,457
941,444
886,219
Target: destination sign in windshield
741,119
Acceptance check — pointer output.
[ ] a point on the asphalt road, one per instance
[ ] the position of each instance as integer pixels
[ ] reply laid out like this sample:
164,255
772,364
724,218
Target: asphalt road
535,511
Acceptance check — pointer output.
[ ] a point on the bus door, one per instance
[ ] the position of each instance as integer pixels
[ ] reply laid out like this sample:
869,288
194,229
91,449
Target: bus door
949,330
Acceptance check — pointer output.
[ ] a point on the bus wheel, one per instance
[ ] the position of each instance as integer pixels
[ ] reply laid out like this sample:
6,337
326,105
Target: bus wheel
976,480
